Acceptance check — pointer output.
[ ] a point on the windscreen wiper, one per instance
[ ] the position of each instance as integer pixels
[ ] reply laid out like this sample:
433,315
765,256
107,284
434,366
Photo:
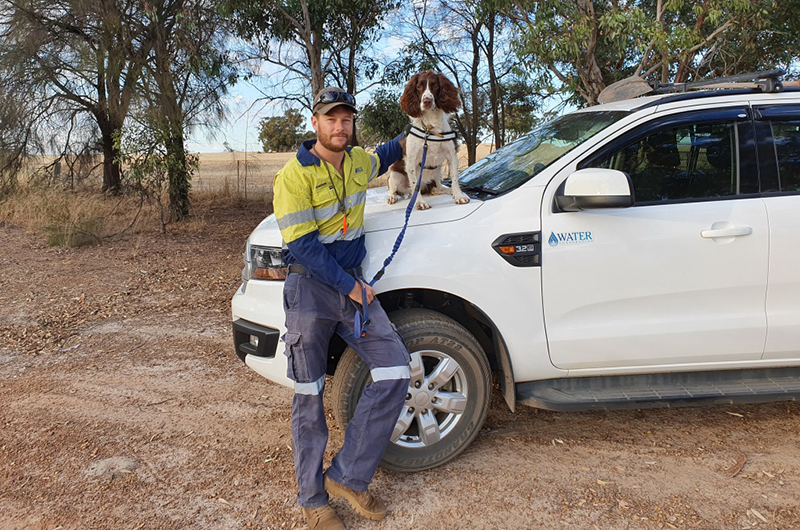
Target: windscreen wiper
480,189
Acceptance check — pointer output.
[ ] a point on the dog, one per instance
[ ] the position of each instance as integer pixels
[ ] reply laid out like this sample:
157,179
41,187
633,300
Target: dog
429,98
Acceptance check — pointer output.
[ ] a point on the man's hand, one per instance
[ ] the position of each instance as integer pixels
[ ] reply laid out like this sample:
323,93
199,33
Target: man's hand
355,293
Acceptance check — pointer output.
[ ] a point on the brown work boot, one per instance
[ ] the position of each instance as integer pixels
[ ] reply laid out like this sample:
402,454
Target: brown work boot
362,501
323,518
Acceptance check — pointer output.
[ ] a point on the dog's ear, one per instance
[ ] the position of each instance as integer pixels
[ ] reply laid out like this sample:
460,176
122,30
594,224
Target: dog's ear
448,95
409,101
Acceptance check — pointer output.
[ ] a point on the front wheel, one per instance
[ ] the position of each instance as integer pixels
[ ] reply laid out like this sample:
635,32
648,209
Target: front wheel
448,395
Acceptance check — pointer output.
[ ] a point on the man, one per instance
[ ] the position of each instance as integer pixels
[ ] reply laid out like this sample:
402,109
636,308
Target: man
319,199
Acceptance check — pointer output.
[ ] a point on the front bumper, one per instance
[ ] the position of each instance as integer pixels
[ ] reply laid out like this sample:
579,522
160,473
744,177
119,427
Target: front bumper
243,333
258,311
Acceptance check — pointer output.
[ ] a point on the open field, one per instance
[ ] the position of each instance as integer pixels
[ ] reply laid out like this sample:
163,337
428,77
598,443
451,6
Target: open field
122,405
246,174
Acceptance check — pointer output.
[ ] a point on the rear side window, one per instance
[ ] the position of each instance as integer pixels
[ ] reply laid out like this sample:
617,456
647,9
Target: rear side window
686,161
786,135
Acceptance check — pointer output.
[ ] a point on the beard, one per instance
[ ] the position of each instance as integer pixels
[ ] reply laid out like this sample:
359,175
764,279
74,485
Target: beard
328,140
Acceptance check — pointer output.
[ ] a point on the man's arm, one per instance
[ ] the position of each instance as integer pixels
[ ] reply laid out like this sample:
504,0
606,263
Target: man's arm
387,154
295,216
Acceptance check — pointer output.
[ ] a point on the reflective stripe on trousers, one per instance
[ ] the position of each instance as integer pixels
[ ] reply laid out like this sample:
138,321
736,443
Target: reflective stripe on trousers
314,312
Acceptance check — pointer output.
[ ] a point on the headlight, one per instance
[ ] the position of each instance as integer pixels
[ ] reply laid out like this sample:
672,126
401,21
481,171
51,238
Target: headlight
264,263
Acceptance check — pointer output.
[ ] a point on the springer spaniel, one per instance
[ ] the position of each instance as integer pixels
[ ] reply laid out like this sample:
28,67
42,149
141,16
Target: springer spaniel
429,99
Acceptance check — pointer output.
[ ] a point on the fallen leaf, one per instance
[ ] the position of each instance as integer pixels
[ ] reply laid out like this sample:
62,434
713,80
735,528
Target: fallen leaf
735,414
623,504
558,441
223,501
770,475
735,468
755,512
603,482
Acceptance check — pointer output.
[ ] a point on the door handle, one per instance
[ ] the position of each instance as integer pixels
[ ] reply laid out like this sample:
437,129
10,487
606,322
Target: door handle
727,232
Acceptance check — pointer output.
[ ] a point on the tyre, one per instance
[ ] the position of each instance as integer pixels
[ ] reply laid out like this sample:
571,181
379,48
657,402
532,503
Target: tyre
448,396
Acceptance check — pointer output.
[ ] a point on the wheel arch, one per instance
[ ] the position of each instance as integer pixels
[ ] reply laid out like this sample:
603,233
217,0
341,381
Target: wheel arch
462,311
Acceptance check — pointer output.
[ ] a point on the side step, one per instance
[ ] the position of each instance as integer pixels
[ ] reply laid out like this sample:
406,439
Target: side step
662,390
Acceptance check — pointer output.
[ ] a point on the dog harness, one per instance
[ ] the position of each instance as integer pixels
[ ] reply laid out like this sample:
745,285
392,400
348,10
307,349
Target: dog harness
428,134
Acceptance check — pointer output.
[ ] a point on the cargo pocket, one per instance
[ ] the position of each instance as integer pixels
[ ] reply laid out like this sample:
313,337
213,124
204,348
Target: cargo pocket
401,344
296,368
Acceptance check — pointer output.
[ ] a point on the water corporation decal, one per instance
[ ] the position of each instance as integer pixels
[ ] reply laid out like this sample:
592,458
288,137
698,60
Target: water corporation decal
569,238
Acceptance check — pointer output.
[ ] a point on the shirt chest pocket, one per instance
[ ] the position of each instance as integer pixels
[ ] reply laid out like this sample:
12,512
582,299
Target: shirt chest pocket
360,178
322,195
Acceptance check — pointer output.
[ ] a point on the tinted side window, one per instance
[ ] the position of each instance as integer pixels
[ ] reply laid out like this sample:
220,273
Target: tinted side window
786,135
688,161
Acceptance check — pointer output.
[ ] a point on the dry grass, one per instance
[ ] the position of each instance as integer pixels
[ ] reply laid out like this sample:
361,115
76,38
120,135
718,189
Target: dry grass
81,216
68,218
243,173
237,173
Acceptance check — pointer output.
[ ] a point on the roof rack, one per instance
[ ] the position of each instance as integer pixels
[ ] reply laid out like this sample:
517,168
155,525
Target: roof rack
631,87
766,81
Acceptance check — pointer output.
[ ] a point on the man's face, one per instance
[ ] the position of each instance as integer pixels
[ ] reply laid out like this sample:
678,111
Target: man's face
334,129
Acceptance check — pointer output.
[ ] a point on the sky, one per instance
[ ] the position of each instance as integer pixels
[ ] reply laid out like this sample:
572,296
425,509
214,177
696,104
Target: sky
245,109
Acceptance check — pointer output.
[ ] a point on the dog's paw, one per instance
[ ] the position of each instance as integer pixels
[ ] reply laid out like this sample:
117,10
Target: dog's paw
391,198
461,199
422,205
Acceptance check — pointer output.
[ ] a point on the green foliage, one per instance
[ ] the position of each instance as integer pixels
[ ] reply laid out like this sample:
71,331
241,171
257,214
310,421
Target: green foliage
283,133
314,42
521,109
581,47
151,166
382,118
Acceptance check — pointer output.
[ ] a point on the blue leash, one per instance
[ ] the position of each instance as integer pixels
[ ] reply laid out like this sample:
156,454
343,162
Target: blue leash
362,321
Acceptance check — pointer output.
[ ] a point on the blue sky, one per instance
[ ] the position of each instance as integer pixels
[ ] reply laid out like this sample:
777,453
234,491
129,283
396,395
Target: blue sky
245,110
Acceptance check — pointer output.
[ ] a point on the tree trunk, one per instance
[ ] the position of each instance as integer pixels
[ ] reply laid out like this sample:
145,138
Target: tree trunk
472,143
179,175
112,176
494,85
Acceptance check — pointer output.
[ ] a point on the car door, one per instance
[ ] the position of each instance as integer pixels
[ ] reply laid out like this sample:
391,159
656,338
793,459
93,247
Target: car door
778,131
679,278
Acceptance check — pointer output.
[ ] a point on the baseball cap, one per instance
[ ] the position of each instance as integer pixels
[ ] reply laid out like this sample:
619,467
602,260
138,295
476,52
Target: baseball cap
330,97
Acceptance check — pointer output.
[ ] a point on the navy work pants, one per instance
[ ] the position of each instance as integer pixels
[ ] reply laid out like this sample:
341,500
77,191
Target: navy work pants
314,312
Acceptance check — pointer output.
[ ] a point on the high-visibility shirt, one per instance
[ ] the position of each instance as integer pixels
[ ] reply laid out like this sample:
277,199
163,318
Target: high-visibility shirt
307,195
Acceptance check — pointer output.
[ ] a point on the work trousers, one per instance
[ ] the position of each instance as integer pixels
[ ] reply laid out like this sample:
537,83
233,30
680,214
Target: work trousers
314,312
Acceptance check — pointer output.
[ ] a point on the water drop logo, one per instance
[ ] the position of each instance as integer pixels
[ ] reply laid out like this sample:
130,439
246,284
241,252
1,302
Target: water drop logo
570,238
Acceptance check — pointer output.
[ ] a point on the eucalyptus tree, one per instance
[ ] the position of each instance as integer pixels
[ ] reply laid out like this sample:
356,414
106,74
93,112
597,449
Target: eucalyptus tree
186,74
77,56
308,44
581,46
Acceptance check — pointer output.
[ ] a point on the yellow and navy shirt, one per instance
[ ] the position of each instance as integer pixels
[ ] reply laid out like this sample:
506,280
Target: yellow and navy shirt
309,214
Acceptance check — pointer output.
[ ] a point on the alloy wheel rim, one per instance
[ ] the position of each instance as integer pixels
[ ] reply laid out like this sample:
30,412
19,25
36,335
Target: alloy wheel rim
435,402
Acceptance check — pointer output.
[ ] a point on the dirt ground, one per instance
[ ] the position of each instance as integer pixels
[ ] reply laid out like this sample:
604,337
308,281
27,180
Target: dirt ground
122,405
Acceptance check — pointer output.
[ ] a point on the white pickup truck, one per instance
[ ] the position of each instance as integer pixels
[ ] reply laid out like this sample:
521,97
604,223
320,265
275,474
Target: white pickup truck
636,254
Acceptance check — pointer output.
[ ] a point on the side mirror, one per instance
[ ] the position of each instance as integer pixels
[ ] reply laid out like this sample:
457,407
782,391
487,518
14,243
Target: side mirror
594,188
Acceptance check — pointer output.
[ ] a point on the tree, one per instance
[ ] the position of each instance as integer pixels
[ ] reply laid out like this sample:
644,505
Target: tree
77,56
186,75
283,133
311,43
520,109
382,118
581,46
